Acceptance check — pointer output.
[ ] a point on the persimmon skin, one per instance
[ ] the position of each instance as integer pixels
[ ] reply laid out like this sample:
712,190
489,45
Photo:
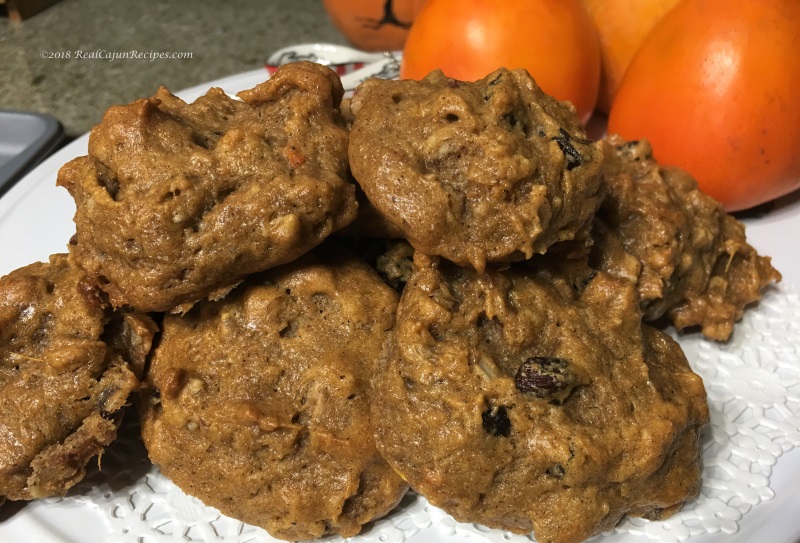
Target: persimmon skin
374,25
622,26
714,89
468,39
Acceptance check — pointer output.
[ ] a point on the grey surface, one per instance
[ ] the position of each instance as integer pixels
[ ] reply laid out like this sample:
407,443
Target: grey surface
223,38
25,140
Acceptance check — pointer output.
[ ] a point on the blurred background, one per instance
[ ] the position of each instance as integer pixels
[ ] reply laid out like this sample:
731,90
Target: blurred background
224,38
638,68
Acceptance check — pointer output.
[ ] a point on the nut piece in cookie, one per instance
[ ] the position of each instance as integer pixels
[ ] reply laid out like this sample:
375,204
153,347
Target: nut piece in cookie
258,404
535,400
689,259
177,202
67,367
490,171
391,258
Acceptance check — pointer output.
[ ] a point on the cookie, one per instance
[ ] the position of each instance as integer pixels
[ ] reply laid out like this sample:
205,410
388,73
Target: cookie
369,223
490,171
177,202
258,404
67,367
533,399
689,259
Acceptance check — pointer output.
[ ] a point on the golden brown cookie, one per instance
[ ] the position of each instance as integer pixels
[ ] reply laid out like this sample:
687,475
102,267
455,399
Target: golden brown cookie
533,399
177,202
258,404
689,259
67,367
488,171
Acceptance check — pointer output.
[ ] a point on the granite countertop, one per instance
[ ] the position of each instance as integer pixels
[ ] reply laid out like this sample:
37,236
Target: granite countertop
222,38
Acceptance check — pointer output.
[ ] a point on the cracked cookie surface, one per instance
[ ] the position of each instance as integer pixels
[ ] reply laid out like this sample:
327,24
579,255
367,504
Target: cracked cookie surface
689,259
535,400
489,171
259,404
177,202
67,367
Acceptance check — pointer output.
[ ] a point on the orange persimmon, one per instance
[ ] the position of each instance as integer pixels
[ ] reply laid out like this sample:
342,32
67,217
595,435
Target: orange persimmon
714,89
374,25
468,39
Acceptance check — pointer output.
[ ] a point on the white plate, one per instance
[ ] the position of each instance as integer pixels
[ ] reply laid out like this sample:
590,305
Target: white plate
751,491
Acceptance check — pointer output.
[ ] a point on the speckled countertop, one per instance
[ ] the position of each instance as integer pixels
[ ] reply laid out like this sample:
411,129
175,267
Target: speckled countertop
224,38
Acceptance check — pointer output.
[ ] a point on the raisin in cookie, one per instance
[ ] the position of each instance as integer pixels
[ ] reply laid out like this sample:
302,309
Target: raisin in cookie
259,404
67,367
533,399
689,259
488,171
177,202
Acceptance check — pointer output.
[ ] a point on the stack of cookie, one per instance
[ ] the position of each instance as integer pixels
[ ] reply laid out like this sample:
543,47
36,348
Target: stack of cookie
521,389
511,380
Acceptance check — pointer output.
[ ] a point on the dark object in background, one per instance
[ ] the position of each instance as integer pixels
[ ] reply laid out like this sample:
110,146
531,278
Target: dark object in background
18,10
